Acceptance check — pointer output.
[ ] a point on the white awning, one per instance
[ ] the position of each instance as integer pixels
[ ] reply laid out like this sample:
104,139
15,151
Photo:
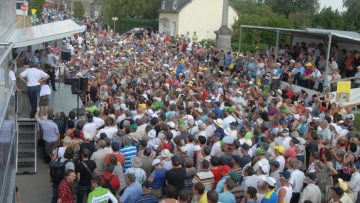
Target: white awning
23,37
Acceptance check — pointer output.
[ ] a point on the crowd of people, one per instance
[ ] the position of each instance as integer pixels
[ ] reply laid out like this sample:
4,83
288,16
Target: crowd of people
165,122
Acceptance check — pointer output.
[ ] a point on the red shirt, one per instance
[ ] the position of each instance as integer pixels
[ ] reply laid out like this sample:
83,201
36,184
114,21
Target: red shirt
65,192
114,181
217,175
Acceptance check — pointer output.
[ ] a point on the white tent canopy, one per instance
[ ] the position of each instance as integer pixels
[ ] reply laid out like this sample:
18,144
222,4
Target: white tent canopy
23,37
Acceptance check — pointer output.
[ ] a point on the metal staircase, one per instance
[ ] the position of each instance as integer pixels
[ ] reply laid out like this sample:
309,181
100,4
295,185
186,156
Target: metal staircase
26,146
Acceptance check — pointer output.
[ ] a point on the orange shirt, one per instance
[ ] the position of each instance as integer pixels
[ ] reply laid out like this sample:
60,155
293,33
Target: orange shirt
120,158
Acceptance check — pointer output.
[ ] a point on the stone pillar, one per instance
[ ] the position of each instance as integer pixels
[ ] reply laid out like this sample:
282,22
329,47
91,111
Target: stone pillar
223,35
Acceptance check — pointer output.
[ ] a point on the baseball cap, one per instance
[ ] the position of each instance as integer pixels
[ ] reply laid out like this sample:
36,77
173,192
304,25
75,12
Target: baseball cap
274,163
260,151
264,167
270,181
312,176
115,146
280,149
285,174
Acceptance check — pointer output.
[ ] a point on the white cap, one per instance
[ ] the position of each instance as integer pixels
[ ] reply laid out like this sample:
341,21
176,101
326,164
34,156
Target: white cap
171,124
264,167
152,134
270,181
156,161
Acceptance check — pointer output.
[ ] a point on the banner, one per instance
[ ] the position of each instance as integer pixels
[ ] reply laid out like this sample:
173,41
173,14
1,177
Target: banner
343,91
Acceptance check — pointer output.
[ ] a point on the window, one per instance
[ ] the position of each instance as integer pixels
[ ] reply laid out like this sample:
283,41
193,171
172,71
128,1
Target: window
163,5
174,6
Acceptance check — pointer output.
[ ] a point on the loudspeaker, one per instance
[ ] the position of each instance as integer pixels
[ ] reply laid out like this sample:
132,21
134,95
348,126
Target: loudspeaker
78,85
65,55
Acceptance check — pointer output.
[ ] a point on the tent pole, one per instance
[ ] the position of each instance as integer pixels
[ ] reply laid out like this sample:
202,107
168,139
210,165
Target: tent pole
328,52
240,38
277,45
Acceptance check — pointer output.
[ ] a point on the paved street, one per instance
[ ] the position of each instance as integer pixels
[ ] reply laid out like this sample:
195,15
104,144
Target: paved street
36,188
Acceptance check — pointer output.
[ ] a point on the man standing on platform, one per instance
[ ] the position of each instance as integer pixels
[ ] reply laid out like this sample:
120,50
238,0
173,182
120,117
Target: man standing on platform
34,77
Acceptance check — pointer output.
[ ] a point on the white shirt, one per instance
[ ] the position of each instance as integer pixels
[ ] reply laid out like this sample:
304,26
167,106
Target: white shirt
215,149
297,179
90,128
51,59
98,121
12,76
33,75
210,129
354,183
45,90
109,131
281,161
286,142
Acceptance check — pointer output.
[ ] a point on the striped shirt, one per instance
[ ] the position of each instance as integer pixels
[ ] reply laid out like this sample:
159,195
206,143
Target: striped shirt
206,178
101,195
129,152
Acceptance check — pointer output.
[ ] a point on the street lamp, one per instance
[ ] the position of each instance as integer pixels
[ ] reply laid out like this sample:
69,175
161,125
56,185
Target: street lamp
114,19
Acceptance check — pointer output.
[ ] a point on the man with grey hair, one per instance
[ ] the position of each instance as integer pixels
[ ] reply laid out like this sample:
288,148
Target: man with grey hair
99,157
325,133
133,190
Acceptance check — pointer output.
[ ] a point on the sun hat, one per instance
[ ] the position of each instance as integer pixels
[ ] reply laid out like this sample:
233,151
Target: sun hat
136,162
219,122
166,153
183,149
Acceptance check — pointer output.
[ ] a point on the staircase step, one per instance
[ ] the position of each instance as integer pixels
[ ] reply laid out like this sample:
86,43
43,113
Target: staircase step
26,150
26,141
26,160
24,170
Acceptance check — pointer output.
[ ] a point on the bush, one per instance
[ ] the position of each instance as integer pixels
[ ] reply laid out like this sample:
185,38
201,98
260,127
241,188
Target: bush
79,9
206,43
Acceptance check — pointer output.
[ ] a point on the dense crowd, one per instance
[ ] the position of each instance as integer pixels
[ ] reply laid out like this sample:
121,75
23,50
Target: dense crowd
167,120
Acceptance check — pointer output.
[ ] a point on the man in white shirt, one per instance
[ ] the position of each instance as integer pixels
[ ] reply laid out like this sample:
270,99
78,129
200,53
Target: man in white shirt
109,129
97,120
297,179
90,127
34,77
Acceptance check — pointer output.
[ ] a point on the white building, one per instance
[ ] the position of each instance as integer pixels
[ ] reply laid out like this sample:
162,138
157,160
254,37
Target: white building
200,16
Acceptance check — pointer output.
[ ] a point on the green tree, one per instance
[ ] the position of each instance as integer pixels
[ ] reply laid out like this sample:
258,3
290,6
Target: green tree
38,5
352,15
130,9
300,20
328,19
286,7
256,14
79,9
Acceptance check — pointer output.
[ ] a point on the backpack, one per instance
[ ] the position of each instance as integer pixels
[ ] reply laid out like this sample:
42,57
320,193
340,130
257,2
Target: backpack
57,170
108,185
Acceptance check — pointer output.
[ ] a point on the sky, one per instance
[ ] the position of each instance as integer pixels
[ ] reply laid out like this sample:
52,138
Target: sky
334,4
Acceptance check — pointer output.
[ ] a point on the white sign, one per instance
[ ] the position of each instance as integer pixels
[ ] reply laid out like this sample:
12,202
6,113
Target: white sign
114,18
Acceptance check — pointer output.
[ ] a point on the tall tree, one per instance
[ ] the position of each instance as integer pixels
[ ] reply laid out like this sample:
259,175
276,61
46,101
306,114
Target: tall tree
286,7
79,9
300,19
328,19
352,15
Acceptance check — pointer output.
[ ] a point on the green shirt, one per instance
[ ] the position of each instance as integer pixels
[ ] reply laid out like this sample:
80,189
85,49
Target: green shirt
91,109
101,195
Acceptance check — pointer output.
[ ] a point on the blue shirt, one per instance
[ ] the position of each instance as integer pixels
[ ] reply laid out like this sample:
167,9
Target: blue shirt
129,152
227,197
220,186
270,197
158,176
228,60
146,198
132,193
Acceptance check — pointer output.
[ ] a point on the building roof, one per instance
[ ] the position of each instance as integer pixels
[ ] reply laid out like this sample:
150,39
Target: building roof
337,35
170,8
